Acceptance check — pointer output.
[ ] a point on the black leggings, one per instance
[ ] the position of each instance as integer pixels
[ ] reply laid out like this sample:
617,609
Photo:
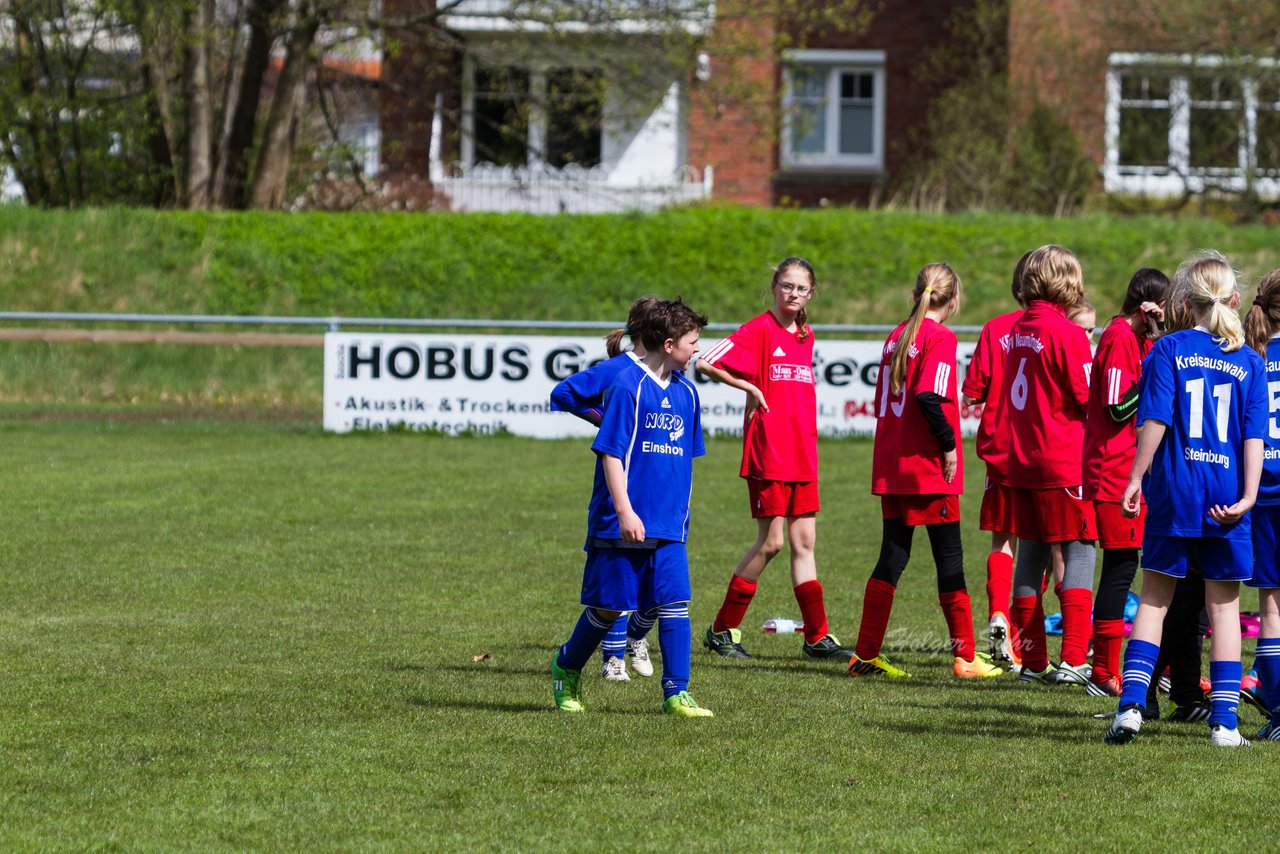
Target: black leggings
1118,568
1180,642
944,540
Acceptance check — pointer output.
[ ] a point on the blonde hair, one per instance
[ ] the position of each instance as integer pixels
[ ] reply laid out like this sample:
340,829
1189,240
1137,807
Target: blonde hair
1083,307
942,285
1210,285
1263,318
1053,274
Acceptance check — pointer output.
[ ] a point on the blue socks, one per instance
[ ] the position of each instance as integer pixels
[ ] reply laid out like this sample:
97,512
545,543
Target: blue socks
1225,696
586,636
1139,663
1267,660
675,639
638,625
614,644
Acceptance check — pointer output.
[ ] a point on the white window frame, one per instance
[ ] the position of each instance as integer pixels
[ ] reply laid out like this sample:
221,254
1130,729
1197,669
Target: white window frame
834,62
1178,175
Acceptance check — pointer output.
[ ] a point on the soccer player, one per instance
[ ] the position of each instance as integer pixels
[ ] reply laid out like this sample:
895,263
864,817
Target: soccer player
582,394
771,359
1262,332
917,470
982,384
638,519
1203,415
1110,436
1046,389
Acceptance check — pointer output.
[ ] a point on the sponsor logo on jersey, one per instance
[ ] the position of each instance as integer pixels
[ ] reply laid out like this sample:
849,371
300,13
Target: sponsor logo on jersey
778,351
1031,342
666,404
672,423
657,448
1006,341
791,374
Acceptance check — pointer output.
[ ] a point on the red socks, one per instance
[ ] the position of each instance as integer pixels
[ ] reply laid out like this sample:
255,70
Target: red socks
1107,638
812,611
736,601
955,607
1027,617
999,583
1077,624
877,604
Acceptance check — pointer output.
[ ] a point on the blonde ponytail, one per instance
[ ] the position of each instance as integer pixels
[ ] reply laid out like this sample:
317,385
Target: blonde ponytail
1211,284
936,285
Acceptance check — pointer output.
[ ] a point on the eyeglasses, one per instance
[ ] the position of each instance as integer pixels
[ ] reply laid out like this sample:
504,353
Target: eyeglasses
798,290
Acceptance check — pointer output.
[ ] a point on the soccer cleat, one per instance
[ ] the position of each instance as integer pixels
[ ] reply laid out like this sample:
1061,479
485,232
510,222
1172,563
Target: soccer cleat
1250,694
980,668
1220,736
566,687
872,666
1269,732
1124,726
615,670
638,656
1165,683
1069,674
683,705
1109,688
1044,677
727,643
999,643
827,647
1191,712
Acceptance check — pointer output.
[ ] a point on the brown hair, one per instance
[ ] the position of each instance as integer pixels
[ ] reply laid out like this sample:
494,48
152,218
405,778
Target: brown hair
637,317
1263,318
802,316
670,319
1019,270
1053,274
942,285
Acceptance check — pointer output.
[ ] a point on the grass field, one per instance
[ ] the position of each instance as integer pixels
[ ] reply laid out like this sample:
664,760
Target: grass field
257,636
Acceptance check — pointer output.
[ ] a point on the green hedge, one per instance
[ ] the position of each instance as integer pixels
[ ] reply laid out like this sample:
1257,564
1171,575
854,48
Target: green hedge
563,267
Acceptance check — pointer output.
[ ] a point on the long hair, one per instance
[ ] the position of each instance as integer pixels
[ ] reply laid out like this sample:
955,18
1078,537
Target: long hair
1210,285
942,285
637,318
802,316
1263,318
1053,274
1146,285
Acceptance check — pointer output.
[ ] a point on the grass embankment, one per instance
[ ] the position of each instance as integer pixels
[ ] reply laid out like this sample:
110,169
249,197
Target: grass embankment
504,267
260,637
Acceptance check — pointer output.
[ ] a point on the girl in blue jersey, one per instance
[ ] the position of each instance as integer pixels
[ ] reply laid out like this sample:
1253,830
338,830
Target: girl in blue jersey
582,394
1262,331
1202,414
638,519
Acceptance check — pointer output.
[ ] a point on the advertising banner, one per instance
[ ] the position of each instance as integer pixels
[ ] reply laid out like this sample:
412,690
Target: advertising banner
492,383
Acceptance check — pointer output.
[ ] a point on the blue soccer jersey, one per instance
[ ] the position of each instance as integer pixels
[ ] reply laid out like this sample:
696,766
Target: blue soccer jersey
1211,402
582,393
655,428
1269,488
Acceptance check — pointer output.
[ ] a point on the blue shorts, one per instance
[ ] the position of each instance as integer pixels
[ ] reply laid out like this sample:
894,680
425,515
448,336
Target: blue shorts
636,579
1266,562
1218,558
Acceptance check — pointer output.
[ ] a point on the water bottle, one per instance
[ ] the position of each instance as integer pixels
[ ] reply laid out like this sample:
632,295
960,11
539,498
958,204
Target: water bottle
782,626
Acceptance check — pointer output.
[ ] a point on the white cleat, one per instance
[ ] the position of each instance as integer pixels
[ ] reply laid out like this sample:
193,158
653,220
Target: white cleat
1220,736
615,670
1124,727
638,656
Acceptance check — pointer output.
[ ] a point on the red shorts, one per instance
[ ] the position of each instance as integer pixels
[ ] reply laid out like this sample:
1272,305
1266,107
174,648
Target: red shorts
921,509
997,508
1055,515
771,498
1117,531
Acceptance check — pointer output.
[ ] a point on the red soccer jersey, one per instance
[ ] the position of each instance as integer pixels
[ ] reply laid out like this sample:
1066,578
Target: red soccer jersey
1046,392
983,382
781,444
1109,448
906,459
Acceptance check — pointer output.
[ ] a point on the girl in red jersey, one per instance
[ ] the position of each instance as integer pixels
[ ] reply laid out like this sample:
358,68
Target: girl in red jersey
917,471
982,384
1110,441
771,359
1046,392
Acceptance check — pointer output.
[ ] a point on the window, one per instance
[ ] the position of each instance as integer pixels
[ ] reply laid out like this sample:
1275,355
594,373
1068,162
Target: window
1178,123
518,117
833,109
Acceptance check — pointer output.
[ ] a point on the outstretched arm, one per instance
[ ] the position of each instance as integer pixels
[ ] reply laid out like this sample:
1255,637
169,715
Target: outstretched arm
755,395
